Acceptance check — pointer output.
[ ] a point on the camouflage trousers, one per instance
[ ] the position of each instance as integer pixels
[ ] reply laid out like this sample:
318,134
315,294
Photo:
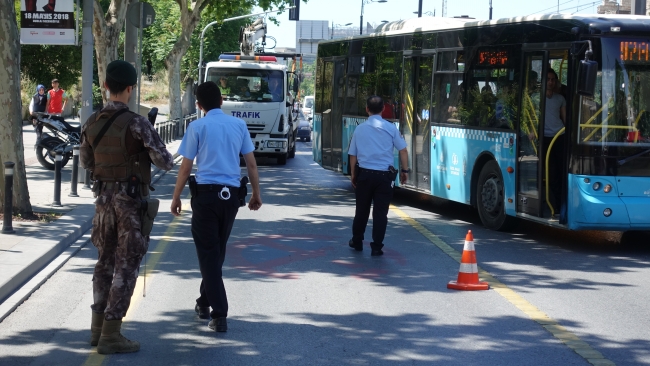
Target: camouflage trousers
121,246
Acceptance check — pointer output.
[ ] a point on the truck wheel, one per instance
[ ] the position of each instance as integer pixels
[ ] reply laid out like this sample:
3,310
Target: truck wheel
490,195
282,159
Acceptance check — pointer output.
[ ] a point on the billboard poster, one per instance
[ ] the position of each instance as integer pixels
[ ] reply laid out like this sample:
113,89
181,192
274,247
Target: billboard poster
47,22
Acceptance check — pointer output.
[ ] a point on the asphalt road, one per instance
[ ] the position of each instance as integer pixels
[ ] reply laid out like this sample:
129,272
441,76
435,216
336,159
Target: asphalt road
298,295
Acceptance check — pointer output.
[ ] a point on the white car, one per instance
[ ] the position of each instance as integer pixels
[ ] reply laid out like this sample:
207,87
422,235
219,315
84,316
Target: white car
308,106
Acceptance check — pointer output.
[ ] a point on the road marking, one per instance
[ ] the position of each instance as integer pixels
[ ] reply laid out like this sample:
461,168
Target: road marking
551,325
94,358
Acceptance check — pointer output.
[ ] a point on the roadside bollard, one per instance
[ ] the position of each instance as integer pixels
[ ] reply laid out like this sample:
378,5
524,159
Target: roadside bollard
75,171
57,178
9,191
86,180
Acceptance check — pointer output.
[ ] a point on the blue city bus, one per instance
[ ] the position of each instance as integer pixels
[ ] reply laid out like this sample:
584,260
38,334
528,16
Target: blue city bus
465,94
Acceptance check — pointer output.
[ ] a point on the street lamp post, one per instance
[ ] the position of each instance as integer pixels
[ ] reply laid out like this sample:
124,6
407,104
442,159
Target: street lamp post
363,2
335,25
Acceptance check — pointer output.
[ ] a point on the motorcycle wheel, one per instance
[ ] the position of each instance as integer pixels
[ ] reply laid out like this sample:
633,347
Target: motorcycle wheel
46,155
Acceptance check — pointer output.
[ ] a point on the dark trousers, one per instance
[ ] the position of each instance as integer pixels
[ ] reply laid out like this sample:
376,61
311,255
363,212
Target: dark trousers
376,189
212,220
554,171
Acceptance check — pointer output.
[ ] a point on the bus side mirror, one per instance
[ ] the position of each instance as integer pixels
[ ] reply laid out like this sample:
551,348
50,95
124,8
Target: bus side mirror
587,73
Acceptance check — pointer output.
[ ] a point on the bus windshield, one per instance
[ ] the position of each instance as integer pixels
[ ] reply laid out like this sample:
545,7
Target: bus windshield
248,85
619,112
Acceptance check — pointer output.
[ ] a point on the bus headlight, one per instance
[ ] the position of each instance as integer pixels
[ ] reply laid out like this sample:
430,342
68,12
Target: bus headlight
607,212
608,188
596,186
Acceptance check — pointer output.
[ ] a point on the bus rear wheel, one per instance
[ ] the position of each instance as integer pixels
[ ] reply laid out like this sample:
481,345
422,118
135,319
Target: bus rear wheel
490,197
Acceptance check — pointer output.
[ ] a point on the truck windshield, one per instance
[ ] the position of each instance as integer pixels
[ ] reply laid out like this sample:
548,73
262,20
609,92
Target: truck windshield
248,85
619,112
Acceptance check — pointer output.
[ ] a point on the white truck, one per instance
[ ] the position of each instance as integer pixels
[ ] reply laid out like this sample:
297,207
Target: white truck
261,90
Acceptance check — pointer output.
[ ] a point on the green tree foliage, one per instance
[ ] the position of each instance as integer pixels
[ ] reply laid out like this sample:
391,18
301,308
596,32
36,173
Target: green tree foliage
307,85
41,64
163,34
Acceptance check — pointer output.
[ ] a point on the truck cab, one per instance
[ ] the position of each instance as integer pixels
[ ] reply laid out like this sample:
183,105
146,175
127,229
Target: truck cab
256,90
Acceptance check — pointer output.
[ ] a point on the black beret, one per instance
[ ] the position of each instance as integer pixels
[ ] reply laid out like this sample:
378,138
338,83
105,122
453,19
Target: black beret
122,72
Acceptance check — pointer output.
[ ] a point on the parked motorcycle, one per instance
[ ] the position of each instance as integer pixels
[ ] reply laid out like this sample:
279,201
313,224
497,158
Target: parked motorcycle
54,133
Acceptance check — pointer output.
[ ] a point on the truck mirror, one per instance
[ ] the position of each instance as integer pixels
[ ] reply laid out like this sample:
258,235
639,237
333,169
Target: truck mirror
587,73
296,85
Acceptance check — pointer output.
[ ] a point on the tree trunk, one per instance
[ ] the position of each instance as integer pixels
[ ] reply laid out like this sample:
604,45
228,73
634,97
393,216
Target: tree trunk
11,122
190,18
173,63
106,30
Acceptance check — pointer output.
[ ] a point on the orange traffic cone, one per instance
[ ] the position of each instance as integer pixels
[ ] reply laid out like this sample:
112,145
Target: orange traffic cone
468,272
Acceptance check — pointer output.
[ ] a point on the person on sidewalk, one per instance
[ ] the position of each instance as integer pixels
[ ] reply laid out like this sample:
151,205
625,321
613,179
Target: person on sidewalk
56,99
39,101
216,141
373,176
118,147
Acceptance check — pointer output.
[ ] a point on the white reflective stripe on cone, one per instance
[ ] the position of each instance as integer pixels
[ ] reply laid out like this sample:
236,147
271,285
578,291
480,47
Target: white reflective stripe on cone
469,245
468,268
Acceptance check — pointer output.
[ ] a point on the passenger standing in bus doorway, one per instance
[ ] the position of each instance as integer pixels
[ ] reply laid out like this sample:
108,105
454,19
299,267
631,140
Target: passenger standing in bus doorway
216,141
554,121
373,174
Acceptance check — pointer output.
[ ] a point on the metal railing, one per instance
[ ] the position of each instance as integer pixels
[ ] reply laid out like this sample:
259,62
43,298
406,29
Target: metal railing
172,129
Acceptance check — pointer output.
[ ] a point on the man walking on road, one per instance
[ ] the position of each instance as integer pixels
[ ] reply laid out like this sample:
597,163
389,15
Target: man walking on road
373,178
118,146
215,197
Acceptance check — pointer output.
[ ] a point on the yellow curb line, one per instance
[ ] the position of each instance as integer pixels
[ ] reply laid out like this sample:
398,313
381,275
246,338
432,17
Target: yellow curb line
552,326
94,358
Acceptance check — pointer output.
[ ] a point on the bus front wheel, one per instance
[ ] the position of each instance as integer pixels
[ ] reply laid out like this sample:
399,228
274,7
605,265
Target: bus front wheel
490,196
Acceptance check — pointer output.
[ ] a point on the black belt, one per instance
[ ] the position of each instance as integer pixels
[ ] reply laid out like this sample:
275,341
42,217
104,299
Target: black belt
378,172
213,187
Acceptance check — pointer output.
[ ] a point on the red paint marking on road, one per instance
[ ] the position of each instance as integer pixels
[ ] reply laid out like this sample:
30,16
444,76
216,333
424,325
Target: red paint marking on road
289,245
267,268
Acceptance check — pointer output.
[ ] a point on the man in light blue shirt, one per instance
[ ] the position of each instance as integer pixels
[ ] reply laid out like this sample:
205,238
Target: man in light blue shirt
215,141
372,149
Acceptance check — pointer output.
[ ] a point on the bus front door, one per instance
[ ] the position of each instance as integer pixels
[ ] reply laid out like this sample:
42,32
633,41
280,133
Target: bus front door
332,124
531,122
533,146
416,123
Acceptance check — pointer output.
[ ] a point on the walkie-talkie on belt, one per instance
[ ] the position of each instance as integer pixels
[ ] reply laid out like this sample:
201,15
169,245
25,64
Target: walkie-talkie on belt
133,187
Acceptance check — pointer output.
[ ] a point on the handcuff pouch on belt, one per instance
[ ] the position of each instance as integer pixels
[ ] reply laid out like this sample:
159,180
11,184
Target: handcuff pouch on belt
243,191
392,173
194,189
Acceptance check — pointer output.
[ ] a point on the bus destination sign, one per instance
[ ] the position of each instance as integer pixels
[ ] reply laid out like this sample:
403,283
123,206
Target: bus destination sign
493,58
635,52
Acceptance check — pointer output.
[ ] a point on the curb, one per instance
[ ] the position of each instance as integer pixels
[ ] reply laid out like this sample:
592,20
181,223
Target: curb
36,253
22,285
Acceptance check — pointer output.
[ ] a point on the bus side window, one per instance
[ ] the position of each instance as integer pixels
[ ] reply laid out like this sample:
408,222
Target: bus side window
449,103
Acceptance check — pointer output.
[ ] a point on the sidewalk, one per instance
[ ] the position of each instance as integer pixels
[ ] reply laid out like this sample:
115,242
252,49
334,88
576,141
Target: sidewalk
34,245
